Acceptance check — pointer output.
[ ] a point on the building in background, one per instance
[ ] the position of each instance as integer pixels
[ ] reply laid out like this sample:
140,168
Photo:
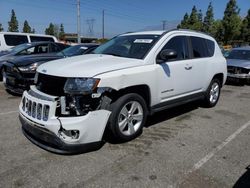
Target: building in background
72,38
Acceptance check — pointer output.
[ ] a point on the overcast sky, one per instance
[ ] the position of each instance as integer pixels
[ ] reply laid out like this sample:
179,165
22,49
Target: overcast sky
120,15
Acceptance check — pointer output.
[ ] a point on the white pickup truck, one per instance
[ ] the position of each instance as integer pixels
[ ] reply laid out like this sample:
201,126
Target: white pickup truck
75,100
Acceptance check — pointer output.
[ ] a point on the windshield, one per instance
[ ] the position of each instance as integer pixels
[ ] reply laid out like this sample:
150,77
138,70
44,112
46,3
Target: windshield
19,48
73,50
239,54
130,46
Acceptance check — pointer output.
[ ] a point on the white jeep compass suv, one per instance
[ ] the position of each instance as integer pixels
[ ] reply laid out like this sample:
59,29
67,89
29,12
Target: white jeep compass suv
74,100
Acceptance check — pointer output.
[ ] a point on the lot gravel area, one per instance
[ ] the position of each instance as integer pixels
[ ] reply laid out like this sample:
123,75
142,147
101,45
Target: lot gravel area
187,146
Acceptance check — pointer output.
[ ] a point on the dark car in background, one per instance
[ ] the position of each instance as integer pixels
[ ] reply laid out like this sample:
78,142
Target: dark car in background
78,49
28,49
19,73
238,65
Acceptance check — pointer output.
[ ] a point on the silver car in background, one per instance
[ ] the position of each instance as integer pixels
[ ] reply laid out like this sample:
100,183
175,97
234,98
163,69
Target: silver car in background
238,65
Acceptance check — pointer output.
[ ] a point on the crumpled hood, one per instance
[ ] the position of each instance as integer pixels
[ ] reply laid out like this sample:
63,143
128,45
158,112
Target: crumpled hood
87,65
239,63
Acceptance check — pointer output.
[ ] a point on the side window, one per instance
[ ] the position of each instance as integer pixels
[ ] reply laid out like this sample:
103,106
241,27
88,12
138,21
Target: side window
180,45
43,48
27,51
199,47
55,48
38,39
210,47
13,40
61,46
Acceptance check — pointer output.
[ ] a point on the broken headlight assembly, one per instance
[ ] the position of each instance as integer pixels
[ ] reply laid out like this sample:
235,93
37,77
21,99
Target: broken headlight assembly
76,86
29,68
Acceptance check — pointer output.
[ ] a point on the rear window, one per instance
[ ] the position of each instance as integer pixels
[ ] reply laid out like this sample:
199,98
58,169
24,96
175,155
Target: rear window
202,47
210,47
37,39
13,40
58,47
239,54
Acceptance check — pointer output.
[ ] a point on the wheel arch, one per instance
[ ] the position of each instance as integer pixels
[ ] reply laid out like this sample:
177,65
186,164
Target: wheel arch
220,77
143,90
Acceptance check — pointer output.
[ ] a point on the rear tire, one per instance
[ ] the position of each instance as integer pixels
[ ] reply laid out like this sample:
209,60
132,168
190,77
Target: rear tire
128,117
213,93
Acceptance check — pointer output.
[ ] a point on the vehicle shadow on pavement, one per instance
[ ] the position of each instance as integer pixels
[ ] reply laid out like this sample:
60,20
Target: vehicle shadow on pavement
171,113
158,118
236,83
244,180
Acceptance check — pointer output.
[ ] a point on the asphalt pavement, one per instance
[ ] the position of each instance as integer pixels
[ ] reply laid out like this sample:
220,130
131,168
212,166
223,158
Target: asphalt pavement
187,146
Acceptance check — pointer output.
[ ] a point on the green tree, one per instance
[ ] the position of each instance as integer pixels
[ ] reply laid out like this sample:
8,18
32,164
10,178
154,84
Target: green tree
194,22
56,30
200,16
245,29
26,27
33,31
184,23
231,22
200,21
209,20
13,23
217,30
50,30
1,27
61,32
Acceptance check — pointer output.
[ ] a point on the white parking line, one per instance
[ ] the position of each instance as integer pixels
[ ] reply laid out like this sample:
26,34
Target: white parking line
205,159
10,112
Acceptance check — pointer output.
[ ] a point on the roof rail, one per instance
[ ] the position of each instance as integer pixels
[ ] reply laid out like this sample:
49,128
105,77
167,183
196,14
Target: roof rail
190,31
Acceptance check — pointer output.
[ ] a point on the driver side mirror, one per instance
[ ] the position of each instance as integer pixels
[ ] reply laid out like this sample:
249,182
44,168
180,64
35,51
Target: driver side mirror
166,55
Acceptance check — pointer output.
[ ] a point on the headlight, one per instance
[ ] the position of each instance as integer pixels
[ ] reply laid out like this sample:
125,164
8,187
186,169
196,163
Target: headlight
29,68
80,85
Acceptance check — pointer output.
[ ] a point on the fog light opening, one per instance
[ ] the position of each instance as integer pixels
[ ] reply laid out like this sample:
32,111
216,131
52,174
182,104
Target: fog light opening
73,134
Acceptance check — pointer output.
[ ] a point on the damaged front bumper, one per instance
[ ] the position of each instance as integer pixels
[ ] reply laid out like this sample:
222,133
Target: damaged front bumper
238,77
65,135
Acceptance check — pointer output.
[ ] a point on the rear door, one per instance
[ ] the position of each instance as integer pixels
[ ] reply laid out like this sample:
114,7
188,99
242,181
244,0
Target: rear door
200,55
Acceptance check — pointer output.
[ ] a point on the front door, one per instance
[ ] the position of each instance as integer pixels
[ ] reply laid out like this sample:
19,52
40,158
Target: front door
176,76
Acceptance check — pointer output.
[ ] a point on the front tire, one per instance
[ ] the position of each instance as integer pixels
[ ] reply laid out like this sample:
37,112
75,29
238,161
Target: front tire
213,93
128,117
1,74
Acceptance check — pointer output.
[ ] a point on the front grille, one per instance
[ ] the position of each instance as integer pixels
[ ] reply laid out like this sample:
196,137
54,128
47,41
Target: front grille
237,70
51,85
35,110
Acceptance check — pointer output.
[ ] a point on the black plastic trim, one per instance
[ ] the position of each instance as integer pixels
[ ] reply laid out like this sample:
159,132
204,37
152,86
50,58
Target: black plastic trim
176,102
50,142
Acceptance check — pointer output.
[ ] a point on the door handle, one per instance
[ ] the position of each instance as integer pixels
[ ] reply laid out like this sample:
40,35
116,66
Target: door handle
188,67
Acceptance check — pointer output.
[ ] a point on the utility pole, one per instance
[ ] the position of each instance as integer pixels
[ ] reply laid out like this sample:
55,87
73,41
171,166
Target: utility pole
102,24
164,24
78,22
